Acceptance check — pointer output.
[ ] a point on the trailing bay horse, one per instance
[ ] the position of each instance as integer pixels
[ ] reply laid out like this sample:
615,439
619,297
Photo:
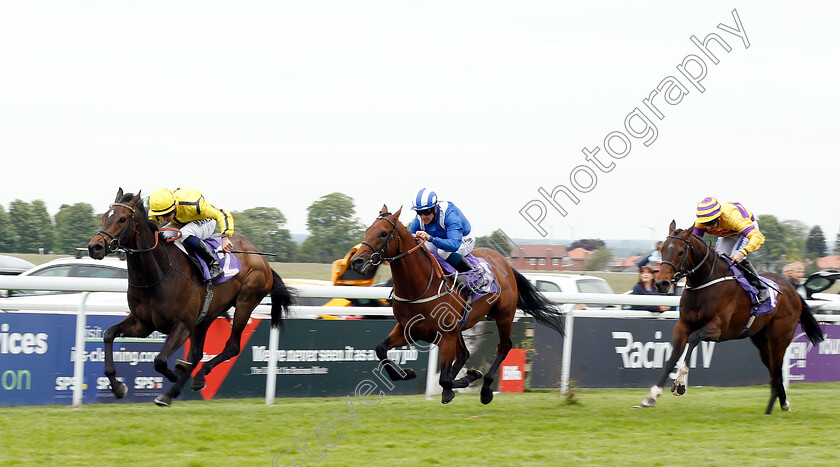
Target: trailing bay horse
429,307
166,294
713,307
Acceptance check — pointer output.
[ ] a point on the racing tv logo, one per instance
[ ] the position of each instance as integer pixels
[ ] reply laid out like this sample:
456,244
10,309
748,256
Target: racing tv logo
654,354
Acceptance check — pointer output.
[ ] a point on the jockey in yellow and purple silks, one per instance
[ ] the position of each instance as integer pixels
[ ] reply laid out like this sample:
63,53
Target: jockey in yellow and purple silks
738,235
186,209
445,229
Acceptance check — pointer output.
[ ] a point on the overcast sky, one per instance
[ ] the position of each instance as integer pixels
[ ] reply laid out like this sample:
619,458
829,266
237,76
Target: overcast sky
279,103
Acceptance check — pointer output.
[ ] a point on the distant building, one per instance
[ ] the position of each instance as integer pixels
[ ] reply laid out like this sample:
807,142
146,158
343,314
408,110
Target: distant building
829,262
549,258
626,264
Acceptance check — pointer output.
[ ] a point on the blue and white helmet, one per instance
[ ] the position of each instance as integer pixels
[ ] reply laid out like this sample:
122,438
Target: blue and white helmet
425,199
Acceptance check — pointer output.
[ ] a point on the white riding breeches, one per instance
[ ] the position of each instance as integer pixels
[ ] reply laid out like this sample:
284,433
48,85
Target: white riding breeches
729,245
202,228
467,245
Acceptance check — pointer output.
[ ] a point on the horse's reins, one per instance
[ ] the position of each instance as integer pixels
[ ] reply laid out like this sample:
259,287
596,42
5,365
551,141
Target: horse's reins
379,259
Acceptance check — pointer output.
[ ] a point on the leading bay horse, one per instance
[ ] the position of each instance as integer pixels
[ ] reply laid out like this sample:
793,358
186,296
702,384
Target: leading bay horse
714,307
166,294
429,308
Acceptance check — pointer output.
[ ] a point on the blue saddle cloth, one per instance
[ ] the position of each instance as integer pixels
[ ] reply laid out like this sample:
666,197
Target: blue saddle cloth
474,275
744,282
230,263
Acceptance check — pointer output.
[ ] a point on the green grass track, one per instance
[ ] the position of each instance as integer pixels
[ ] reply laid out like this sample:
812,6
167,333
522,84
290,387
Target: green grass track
707,426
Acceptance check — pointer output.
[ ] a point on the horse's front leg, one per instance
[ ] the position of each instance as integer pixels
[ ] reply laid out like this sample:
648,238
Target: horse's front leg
710,331
395,339
176,338
681,333
129,327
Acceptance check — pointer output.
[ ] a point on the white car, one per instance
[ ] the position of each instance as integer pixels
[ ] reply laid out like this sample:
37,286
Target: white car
570,283
12,265
44,300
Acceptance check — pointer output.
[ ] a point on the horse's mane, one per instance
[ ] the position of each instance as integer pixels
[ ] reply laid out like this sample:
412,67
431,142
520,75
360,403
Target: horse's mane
140,209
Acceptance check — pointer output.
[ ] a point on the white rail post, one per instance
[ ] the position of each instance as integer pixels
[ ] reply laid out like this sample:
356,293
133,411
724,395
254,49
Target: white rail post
566,368
431,371
79,363
271,370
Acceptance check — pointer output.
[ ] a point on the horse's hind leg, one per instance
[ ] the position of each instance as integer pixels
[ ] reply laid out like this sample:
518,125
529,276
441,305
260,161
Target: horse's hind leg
772,352
505,344
128,327
448,348
232,346
177,336
196,352
183,369
461,356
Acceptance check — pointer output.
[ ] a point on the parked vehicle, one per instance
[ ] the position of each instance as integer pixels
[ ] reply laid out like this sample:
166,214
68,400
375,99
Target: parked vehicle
571,283
12,265
80,266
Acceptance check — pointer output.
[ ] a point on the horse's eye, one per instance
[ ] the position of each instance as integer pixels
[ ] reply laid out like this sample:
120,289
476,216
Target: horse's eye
122,220
680,253
383,234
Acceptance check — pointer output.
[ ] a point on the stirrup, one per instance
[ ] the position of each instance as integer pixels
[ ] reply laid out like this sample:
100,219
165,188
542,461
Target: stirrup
215,271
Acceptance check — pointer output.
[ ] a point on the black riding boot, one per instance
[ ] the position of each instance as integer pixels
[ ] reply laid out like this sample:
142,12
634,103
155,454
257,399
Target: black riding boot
201,250
752,276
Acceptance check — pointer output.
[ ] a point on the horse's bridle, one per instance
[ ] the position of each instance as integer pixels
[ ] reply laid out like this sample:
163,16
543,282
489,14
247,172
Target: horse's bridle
113,243
680,271
379,258
379,252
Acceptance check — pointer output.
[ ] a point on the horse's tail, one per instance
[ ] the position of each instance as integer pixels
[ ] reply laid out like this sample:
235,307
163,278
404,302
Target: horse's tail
532,302
809,324
281,300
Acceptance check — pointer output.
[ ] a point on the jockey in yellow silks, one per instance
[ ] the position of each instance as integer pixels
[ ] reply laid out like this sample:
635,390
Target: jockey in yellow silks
738,235
186,209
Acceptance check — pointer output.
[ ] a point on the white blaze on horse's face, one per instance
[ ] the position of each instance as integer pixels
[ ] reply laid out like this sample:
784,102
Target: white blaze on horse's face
110,213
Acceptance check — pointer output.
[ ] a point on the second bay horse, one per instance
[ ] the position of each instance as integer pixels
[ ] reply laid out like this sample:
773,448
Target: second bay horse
713,307
429,308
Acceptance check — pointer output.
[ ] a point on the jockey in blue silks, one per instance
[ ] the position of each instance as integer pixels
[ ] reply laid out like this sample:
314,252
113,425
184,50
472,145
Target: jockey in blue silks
444,229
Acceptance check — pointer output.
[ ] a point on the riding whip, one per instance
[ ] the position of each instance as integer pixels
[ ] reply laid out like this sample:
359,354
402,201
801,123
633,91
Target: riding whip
221,250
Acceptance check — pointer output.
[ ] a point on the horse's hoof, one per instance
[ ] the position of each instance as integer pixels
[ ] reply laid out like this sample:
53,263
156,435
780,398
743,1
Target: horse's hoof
120,391
786,406
410,374
197,385
163,400
678,390
183,365
473,375
447,396
486,395
648,402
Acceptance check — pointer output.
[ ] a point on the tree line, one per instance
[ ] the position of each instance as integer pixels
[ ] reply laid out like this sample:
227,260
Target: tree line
28,228
334,230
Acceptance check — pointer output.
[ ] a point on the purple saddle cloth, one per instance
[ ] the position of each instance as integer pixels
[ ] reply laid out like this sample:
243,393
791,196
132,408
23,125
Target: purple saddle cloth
742,280
479,266
230,263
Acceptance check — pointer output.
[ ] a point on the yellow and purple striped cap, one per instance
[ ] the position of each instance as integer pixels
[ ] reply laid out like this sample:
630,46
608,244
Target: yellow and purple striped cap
708,210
